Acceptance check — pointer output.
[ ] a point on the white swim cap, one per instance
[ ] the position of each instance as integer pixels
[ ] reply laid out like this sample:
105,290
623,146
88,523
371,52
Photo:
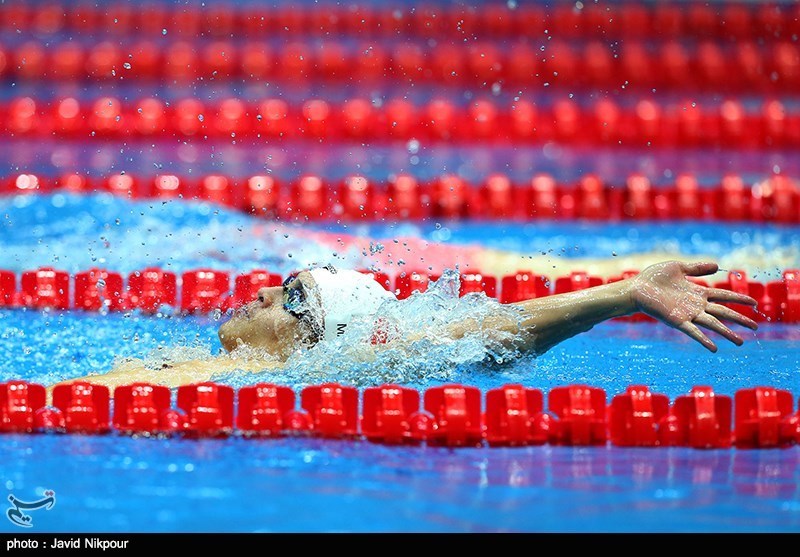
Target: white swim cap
344,295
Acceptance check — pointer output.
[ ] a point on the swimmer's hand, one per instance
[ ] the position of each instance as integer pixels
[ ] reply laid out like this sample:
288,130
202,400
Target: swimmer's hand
663,291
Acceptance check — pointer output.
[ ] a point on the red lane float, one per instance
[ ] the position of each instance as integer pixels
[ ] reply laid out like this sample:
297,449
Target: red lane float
152,288
764,417
746,65
391,415
142,409
784,297
626,20
45,287
201,291
333,409
644,125
702,419
478,282
311,197
638,418
247,285
580,415
523,285
263,409
204,290
8,289
85,407
453,415
208,409
19,403
456,411
96,289
406,198
515,416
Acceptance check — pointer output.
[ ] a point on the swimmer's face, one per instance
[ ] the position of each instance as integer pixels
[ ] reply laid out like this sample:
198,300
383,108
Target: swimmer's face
264,323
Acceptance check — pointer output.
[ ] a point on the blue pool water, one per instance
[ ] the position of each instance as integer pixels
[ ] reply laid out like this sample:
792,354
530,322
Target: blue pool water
119,484
74,233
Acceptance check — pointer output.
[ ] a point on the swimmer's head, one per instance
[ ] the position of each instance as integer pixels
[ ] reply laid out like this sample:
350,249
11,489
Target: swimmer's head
309,307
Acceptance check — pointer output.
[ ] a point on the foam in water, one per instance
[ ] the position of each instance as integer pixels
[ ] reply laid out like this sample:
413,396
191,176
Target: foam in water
419,348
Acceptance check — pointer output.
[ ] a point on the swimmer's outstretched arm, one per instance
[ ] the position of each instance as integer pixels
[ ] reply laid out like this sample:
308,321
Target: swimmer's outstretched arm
174,375
662,291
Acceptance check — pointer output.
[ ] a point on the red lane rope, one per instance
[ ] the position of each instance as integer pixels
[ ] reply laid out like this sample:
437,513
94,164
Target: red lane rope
730,124
625,20
450,415
153,289
775,199
739,67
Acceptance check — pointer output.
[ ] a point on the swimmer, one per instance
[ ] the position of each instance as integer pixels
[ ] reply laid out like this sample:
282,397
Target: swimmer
318,305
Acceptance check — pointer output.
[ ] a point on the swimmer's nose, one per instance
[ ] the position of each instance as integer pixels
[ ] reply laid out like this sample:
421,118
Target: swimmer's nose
268,296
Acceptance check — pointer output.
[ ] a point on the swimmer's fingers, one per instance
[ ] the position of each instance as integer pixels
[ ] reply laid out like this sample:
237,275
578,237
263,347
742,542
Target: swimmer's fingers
728,296
699,268
713,324
724,312
691,330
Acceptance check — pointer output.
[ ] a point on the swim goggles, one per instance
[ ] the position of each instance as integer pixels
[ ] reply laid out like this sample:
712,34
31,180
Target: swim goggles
294,298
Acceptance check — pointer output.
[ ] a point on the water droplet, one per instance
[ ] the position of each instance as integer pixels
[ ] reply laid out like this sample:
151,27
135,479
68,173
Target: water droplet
126,65
163,31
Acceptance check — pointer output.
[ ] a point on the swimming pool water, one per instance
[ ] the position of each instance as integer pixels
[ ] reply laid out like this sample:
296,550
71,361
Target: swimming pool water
110,484
77,232
119,484
115,483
